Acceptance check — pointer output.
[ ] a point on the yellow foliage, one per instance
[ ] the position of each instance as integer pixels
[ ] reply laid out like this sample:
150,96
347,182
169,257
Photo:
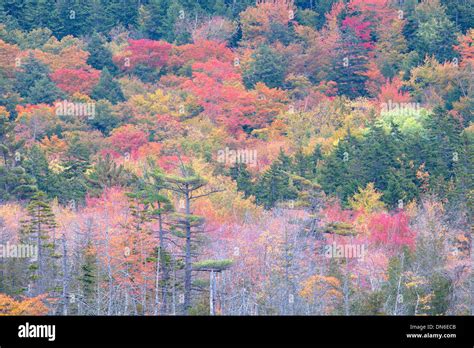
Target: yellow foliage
30,306
318,282
367,199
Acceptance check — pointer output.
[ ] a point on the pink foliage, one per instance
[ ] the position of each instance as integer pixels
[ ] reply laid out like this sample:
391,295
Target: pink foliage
392,231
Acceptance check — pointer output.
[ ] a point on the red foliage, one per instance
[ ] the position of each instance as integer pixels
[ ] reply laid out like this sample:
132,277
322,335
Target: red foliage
392,231
221,94
361,29
201,51
76,80
391,91
127,139
147,52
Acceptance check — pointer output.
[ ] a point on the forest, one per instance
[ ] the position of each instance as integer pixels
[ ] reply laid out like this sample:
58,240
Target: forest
236,157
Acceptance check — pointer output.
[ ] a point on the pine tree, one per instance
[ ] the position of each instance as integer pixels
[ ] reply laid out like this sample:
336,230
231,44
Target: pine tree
106,173
435,33
44,91
350,65
108,88
267,66
275,185
88,275
240,174
341,173
161,207
38,230
155,11
444,143
31,71
14,180
73,178
188,186
100,57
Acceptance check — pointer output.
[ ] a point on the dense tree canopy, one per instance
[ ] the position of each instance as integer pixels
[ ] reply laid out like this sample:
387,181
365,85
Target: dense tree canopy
237,157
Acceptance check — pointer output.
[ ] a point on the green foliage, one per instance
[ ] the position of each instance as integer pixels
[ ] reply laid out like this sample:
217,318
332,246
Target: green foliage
34,84
350,65
243,178
433,32
105,118
108,88
37,230
275,184
268,66
100,57
215,265
106,173
15,182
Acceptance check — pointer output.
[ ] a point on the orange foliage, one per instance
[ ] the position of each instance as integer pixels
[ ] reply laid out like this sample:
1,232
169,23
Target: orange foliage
29,306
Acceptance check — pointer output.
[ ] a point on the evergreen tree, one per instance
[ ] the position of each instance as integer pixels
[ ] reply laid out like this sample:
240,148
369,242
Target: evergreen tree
44,91
350,65
240,174
105,119
36,164
155,11
100,57
341,173
435,33
38,14
38,229
106,173
88,276
31,70
73,178
189,187
14,180
444,145
275,185
108,88
267,66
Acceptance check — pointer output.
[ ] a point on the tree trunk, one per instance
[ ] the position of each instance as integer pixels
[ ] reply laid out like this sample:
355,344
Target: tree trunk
188,265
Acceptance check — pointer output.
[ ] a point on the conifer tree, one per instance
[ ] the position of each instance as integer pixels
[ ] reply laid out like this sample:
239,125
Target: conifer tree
107,88
38,230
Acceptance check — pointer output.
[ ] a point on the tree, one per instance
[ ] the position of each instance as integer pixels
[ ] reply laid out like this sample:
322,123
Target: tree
38,229
367,199
275,185
188,186
33,82
72,81
435,33
155,11
350,63
107,88
44,91
242,177
28,306
100,57
31,70
152,195
267,66
14,180
144,52
106,174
